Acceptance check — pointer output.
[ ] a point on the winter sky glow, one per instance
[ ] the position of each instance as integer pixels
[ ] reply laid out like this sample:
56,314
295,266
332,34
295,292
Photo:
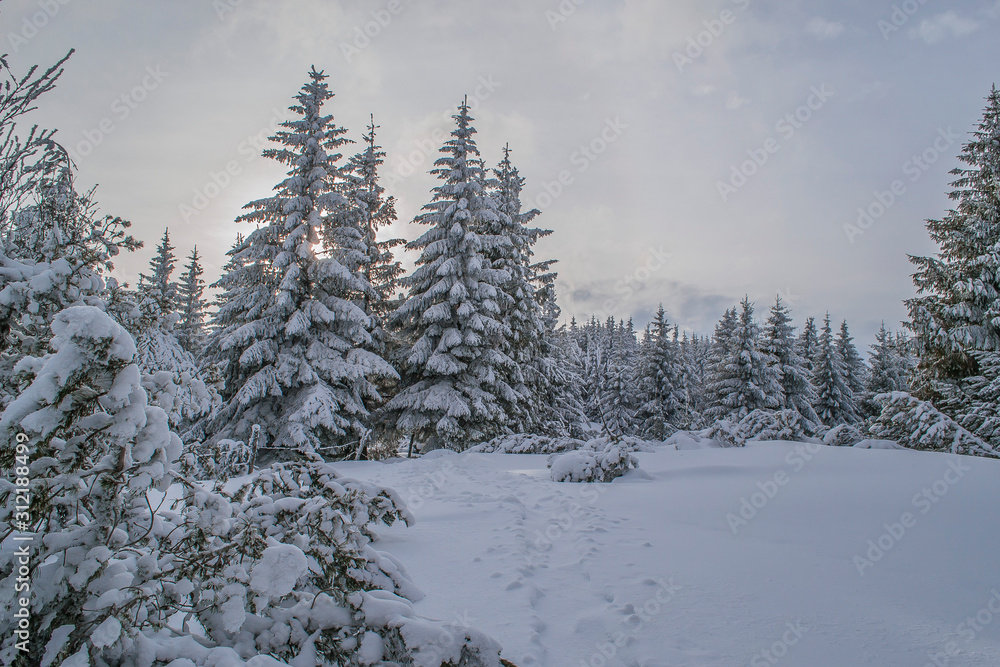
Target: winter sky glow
687,152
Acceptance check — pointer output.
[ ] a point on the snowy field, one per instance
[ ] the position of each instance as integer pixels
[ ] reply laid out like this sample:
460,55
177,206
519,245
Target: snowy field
777,553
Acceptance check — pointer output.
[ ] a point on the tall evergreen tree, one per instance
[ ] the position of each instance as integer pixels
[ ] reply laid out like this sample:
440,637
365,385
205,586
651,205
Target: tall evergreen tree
520,306
855,371
455,365
793,374
661,393
304,368
807,344
718,353
158,293
745,379
889,371
375,212
956,315
835,404
190,328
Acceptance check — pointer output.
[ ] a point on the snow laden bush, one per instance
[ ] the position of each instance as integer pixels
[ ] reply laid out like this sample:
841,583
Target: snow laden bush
601,461
285,567
527,443
774,425
282,569
843,435
919,425
760,425
95,449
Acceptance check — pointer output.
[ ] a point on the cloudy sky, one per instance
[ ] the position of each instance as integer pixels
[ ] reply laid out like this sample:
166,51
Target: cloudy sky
689,152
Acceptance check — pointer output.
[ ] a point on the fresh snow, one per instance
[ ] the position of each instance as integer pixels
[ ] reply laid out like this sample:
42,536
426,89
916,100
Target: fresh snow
661,568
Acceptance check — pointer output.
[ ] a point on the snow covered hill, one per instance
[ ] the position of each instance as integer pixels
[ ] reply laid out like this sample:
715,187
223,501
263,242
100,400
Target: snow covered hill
773,554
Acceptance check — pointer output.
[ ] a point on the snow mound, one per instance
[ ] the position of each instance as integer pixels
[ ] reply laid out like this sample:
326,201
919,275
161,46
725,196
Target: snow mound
592,465
878,444
843,435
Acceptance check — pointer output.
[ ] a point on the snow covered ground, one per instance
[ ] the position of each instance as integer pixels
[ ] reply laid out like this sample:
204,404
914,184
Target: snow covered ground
774,554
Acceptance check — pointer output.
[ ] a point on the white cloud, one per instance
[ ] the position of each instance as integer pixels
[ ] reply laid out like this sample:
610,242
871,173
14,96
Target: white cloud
704,89
820,28
943,26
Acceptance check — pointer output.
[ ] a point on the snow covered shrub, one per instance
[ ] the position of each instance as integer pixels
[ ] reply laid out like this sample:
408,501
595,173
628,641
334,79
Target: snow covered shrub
527,443
843,435
725,432
593,465
285,567
774,425
760,425
919,425
94,449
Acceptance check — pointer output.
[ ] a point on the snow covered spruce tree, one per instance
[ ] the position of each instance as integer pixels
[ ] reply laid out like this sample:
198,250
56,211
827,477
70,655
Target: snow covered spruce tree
835,403
158,291
797,392
807,345
919,425
662,400
889,370
374,211
304,365
192,306
956,315
171,373
855,371
744,379
455,367
982,416
718,352
520,305
618,398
